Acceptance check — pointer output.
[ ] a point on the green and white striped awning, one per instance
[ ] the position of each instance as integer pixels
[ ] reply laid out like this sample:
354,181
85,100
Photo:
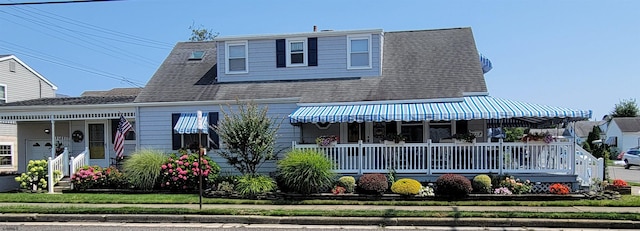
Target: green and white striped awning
471,107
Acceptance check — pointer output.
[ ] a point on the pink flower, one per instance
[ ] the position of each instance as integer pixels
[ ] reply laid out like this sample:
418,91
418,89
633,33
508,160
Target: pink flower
180,162
205,173
164,166
179,169
170,170
205,162
168,183
186,163
169,165
174,178
195,164
184,157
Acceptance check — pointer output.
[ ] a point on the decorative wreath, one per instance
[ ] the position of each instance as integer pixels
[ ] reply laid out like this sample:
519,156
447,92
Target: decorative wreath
77,136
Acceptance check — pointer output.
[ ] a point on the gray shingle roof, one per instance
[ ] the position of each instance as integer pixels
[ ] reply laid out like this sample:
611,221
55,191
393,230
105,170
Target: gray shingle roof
134,91
88,100
582,128
424,64
628,124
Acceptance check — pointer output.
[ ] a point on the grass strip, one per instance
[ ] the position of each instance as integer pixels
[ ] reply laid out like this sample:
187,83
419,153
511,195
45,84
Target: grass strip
327,213
98,198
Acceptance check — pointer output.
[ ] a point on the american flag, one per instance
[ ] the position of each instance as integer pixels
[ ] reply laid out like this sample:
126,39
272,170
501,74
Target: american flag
118,144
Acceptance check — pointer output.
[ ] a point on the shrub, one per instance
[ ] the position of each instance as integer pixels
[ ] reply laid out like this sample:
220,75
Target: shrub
88,177
453,186
482,184
406,186
114,178
373,182
182,171
306,171
559,189
516,186
142,168
254,185
348,183
619,183
36,176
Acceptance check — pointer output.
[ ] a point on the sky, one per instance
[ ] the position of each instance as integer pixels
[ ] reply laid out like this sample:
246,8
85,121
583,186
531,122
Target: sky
577,54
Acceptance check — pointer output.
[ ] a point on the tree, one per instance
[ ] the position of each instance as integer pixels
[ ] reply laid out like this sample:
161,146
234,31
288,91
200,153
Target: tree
626,108
201,34
249,136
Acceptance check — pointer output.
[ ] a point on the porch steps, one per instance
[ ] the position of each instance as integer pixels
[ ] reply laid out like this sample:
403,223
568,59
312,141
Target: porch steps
63,185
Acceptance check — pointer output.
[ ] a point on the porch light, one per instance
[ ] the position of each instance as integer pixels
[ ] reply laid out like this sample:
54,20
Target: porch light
47,131
47,144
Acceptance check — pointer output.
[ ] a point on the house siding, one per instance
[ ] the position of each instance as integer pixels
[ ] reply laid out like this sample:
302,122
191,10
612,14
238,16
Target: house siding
23,84
332,61
155,130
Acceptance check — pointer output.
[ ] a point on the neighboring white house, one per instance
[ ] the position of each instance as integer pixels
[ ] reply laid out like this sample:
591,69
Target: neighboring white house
623,133
18,82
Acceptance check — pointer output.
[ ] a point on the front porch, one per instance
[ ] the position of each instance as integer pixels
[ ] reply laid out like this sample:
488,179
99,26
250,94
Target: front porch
429,159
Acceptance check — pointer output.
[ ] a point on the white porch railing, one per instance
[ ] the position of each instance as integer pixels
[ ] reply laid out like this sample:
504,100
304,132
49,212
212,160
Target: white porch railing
588,167
501,157
79,161
56,164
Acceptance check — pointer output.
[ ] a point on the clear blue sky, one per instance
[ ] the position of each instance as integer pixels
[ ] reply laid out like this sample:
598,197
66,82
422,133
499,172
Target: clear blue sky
576,54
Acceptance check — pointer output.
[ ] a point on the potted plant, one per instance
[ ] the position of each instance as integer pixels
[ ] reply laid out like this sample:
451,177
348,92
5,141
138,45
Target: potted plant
465,137
396,138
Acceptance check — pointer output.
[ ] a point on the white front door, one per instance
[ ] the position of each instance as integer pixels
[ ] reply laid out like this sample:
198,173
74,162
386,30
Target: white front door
98,152
38,150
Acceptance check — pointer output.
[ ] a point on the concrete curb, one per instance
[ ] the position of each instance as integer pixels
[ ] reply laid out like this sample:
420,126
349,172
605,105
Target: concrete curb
314,220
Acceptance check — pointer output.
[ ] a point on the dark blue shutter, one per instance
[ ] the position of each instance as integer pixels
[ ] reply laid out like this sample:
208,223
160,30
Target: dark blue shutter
175,141
312,47
281,53
213,120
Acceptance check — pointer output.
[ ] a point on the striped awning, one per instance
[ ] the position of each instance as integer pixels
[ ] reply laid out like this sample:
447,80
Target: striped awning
188,124
471,107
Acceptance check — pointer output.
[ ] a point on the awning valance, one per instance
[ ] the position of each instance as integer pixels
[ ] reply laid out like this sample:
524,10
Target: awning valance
188,124
471,107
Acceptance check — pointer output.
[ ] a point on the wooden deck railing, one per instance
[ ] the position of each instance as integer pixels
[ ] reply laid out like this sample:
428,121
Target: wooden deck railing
429,158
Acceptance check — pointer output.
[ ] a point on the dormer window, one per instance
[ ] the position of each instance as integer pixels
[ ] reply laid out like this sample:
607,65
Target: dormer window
236,57
359,51
196,55
297,52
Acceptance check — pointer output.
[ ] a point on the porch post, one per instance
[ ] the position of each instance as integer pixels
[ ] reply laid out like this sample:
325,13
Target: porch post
429,163
572,157
360,156
500,157
53,137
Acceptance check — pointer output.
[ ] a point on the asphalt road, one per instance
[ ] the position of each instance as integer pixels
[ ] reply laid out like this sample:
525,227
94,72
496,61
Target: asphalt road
54,226
628,175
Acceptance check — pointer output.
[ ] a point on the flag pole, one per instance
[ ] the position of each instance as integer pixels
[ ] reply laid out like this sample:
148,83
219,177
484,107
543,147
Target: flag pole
200,127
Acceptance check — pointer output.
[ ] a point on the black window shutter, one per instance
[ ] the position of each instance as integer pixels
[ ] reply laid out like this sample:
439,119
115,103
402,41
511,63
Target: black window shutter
176,141
114,129
213,120
312,47
281,56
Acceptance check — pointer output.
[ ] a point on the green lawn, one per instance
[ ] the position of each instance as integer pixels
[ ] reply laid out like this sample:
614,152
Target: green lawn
99,198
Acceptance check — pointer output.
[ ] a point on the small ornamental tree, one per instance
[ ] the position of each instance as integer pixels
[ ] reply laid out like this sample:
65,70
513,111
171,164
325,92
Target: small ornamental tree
249,136
626,108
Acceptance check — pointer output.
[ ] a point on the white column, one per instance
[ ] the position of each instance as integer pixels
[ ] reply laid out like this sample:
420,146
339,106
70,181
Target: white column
53,137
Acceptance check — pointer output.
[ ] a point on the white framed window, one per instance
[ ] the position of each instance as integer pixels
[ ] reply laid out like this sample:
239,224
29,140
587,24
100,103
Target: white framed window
359,51
3,93
236,55
6,154
297,52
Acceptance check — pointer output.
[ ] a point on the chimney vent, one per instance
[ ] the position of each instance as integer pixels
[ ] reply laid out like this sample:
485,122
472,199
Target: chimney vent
315,28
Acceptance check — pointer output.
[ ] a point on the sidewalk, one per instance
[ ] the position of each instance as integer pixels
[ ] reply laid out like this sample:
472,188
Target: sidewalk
315,220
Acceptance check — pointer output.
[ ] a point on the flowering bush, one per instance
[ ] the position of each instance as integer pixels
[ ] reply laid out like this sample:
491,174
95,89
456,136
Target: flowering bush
182,171
36,176
326,140
338,190
453,185
88,177
426,191
516,186
406,186
619,183
546,137
559,189
502,191
373,182
114,178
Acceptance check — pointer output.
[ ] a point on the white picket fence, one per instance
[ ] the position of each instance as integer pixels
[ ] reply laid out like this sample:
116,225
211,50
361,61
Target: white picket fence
436,158
588,168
